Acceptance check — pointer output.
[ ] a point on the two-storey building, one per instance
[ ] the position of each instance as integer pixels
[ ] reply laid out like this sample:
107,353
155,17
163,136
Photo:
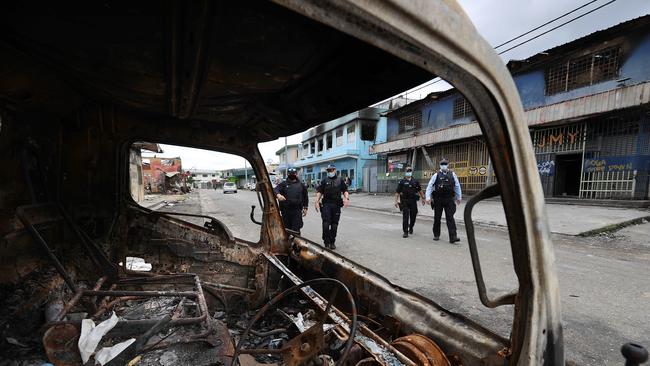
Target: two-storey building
287,157
346,143
587,104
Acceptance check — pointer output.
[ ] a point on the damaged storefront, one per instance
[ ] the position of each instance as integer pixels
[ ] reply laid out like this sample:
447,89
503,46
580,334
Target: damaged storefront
469,159
604,157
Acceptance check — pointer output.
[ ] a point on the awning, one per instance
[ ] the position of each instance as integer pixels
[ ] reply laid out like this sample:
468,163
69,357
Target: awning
171,174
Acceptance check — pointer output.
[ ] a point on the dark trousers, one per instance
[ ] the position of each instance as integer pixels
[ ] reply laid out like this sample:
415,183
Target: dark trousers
330,213
409,213
292,218
449,206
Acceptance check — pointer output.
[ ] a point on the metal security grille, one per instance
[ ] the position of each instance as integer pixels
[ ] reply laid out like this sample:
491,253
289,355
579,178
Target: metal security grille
410,122
608,185
462,108
612,136
469,160
584,70
570,138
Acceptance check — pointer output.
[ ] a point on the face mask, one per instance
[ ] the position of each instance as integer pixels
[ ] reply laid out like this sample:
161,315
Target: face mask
444,167
292,176
331,174
408,174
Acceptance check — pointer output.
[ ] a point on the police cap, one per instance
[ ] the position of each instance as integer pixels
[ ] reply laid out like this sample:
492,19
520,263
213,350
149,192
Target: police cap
330,166
292,170
444,161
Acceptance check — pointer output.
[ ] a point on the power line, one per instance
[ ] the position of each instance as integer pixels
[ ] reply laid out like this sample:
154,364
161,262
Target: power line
438,79
558,26
545,24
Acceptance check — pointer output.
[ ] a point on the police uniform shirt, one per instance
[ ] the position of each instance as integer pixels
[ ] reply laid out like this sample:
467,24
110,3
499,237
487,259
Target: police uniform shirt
408,188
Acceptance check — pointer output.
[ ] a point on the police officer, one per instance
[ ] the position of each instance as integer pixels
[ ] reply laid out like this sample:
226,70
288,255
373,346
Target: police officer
444,190
406,196
329,191
294,201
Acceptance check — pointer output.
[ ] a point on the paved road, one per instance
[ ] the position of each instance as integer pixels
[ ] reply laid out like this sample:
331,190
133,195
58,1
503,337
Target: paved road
604,280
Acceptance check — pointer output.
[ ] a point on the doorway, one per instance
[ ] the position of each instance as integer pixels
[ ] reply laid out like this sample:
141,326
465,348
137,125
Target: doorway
567,175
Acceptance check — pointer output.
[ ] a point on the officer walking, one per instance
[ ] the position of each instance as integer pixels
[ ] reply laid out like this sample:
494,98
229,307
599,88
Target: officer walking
444,189
406,196
329,191
294,201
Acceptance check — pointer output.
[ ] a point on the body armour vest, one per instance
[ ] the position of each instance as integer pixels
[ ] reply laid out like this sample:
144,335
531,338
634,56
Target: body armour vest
332,190
444,185
294,194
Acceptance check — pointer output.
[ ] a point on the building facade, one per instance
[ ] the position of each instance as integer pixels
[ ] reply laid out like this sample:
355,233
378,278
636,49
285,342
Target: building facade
205,178
344,142
287,157
162,175
587,105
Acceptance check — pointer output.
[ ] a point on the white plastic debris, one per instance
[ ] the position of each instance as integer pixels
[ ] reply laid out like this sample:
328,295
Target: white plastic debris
108,353
92,334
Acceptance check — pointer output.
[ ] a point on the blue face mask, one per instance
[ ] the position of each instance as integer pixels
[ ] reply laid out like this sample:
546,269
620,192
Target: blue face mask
444,167
331,174
408,174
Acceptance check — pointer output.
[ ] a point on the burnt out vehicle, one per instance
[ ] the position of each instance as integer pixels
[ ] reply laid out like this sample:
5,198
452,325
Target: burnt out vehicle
81,83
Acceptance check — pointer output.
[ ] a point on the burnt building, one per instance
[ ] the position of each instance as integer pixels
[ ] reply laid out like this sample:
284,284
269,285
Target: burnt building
587,107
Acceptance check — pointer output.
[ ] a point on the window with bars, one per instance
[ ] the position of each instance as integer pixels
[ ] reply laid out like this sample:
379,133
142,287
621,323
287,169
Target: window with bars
462,108
339,137
410,122
582,71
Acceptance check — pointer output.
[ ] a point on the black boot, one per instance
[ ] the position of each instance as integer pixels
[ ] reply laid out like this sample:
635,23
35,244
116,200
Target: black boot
411,230
436,238
454,239
405,235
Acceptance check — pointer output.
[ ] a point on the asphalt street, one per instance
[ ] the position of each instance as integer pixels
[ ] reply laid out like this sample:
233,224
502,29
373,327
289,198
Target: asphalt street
604,280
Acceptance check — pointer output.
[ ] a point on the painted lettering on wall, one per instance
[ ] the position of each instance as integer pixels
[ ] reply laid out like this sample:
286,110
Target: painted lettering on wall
558,139
546,168
609,164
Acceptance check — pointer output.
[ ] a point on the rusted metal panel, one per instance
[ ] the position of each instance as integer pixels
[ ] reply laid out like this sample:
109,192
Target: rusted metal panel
620,98
431,138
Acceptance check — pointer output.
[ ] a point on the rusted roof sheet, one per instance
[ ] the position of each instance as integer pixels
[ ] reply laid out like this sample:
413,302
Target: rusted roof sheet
591,105
431,138
620,98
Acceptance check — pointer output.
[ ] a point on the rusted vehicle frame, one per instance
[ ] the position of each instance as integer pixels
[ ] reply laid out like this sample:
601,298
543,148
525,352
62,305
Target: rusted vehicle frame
435,36
449,46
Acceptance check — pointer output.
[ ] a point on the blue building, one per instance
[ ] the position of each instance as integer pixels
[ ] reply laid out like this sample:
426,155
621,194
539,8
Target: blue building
587,105
346,143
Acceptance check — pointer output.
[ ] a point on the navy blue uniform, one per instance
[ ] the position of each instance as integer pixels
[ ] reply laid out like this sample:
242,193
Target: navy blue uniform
330,210
297,199
409,190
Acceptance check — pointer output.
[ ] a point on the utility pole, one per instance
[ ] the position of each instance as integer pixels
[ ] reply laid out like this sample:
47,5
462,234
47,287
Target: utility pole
286,158
246,171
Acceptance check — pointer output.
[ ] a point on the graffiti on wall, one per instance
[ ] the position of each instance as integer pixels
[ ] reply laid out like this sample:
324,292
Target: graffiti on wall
546,168
609,164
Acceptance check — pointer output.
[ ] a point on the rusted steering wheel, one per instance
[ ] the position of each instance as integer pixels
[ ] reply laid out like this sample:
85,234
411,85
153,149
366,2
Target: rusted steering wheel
309,343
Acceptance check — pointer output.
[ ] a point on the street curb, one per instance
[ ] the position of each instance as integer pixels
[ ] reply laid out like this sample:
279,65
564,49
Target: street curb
615,227
607,228
459,222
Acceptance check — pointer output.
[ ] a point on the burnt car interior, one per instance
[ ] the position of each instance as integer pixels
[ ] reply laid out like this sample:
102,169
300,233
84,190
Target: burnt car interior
81,83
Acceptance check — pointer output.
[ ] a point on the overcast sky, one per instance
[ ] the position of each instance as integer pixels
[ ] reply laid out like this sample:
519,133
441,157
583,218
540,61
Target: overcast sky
497,21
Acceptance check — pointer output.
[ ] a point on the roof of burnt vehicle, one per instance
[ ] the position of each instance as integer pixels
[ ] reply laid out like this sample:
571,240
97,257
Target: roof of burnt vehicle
251,65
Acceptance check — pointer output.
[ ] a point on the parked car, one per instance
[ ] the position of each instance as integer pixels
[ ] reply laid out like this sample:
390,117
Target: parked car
250,186
229,187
